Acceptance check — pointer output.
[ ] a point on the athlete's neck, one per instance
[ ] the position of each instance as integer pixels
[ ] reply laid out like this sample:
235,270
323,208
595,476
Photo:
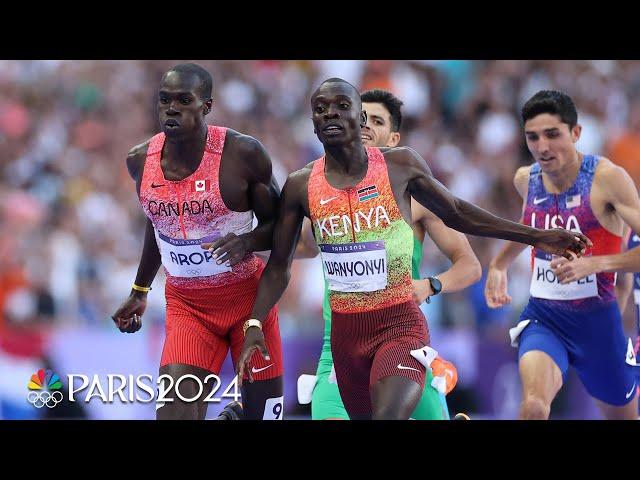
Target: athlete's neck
563,179
348,160
186,150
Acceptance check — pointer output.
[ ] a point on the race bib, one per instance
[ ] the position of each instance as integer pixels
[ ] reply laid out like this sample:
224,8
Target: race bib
544,283
355,267
273,408
185,257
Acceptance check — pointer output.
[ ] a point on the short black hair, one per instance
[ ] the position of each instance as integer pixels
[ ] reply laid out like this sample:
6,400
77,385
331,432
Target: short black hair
392,103
554,103
206,82
338,80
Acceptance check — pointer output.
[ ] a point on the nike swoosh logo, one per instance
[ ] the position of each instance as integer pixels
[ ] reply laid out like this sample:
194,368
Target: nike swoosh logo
536,201
323,202
153,185
402,367
631,392
257,370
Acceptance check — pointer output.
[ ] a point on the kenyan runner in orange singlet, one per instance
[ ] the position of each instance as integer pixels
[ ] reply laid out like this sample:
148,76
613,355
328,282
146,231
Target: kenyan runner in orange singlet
358,200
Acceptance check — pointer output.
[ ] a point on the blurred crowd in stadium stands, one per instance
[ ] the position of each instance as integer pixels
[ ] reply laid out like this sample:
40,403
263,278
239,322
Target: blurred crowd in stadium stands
71,227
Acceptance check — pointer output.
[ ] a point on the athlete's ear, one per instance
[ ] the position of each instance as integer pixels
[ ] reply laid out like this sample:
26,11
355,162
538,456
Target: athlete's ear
207,106
394,139
363,119
576,132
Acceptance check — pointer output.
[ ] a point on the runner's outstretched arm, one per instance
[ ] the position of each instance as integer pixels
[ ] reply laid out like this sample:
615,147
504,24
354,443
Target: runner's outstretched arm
468,218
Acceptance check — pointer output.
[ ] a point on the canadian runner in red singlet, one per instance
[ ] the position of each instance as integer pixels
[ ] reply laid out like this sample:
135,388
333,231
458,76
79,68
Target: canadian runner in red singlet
199,186
358,200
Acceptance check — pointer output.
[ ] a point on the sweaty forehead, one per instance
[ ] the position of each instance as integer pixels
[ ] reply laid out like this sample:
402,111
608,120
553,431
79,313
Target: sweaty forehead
177,81
336,89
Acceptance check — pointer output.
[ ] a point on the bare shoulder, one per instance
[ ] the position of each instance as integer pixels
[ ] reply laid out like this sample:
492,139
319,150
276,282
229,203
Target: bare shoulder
406,162
139,151
521,180
614,183
294,192
246,147
300,178
136,158
608,172
250,153
244,144
401,155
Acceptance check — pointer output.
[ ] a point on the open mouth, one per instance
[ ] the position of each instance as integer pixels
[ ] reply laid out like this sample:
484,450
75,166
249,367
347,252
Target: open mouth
332,129
171,123
366,136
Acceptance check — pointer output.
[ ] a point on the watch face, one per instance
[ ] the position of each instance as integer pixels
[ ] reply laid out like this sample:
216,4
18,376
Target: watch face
436,285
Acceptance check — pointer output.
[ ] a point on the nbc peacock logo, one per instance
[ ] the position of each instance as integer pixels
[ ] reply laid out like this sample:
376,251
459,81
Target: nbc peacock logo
44,389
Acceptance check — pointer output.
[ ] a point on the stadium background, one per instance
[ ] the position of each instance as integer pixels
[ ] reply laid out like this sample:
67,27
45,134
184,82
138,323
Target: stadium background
71,227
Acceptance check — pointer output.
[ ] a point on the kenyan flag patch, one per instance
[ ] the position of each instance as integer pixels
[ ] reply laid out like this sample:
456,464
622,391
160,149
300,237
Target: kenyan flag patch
367,193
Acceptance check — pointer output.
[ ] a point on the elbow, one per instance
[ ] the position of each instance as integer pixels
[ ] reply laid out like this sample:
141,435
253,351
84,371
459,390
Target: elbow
281,280
451,219
472,269
456,219
475,270
260,239
277,271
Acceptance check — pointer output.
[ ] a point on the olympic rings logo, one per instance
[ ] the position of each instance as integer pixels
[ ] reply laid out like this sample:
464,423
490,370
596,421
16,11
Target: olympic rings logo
193,272
40,399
